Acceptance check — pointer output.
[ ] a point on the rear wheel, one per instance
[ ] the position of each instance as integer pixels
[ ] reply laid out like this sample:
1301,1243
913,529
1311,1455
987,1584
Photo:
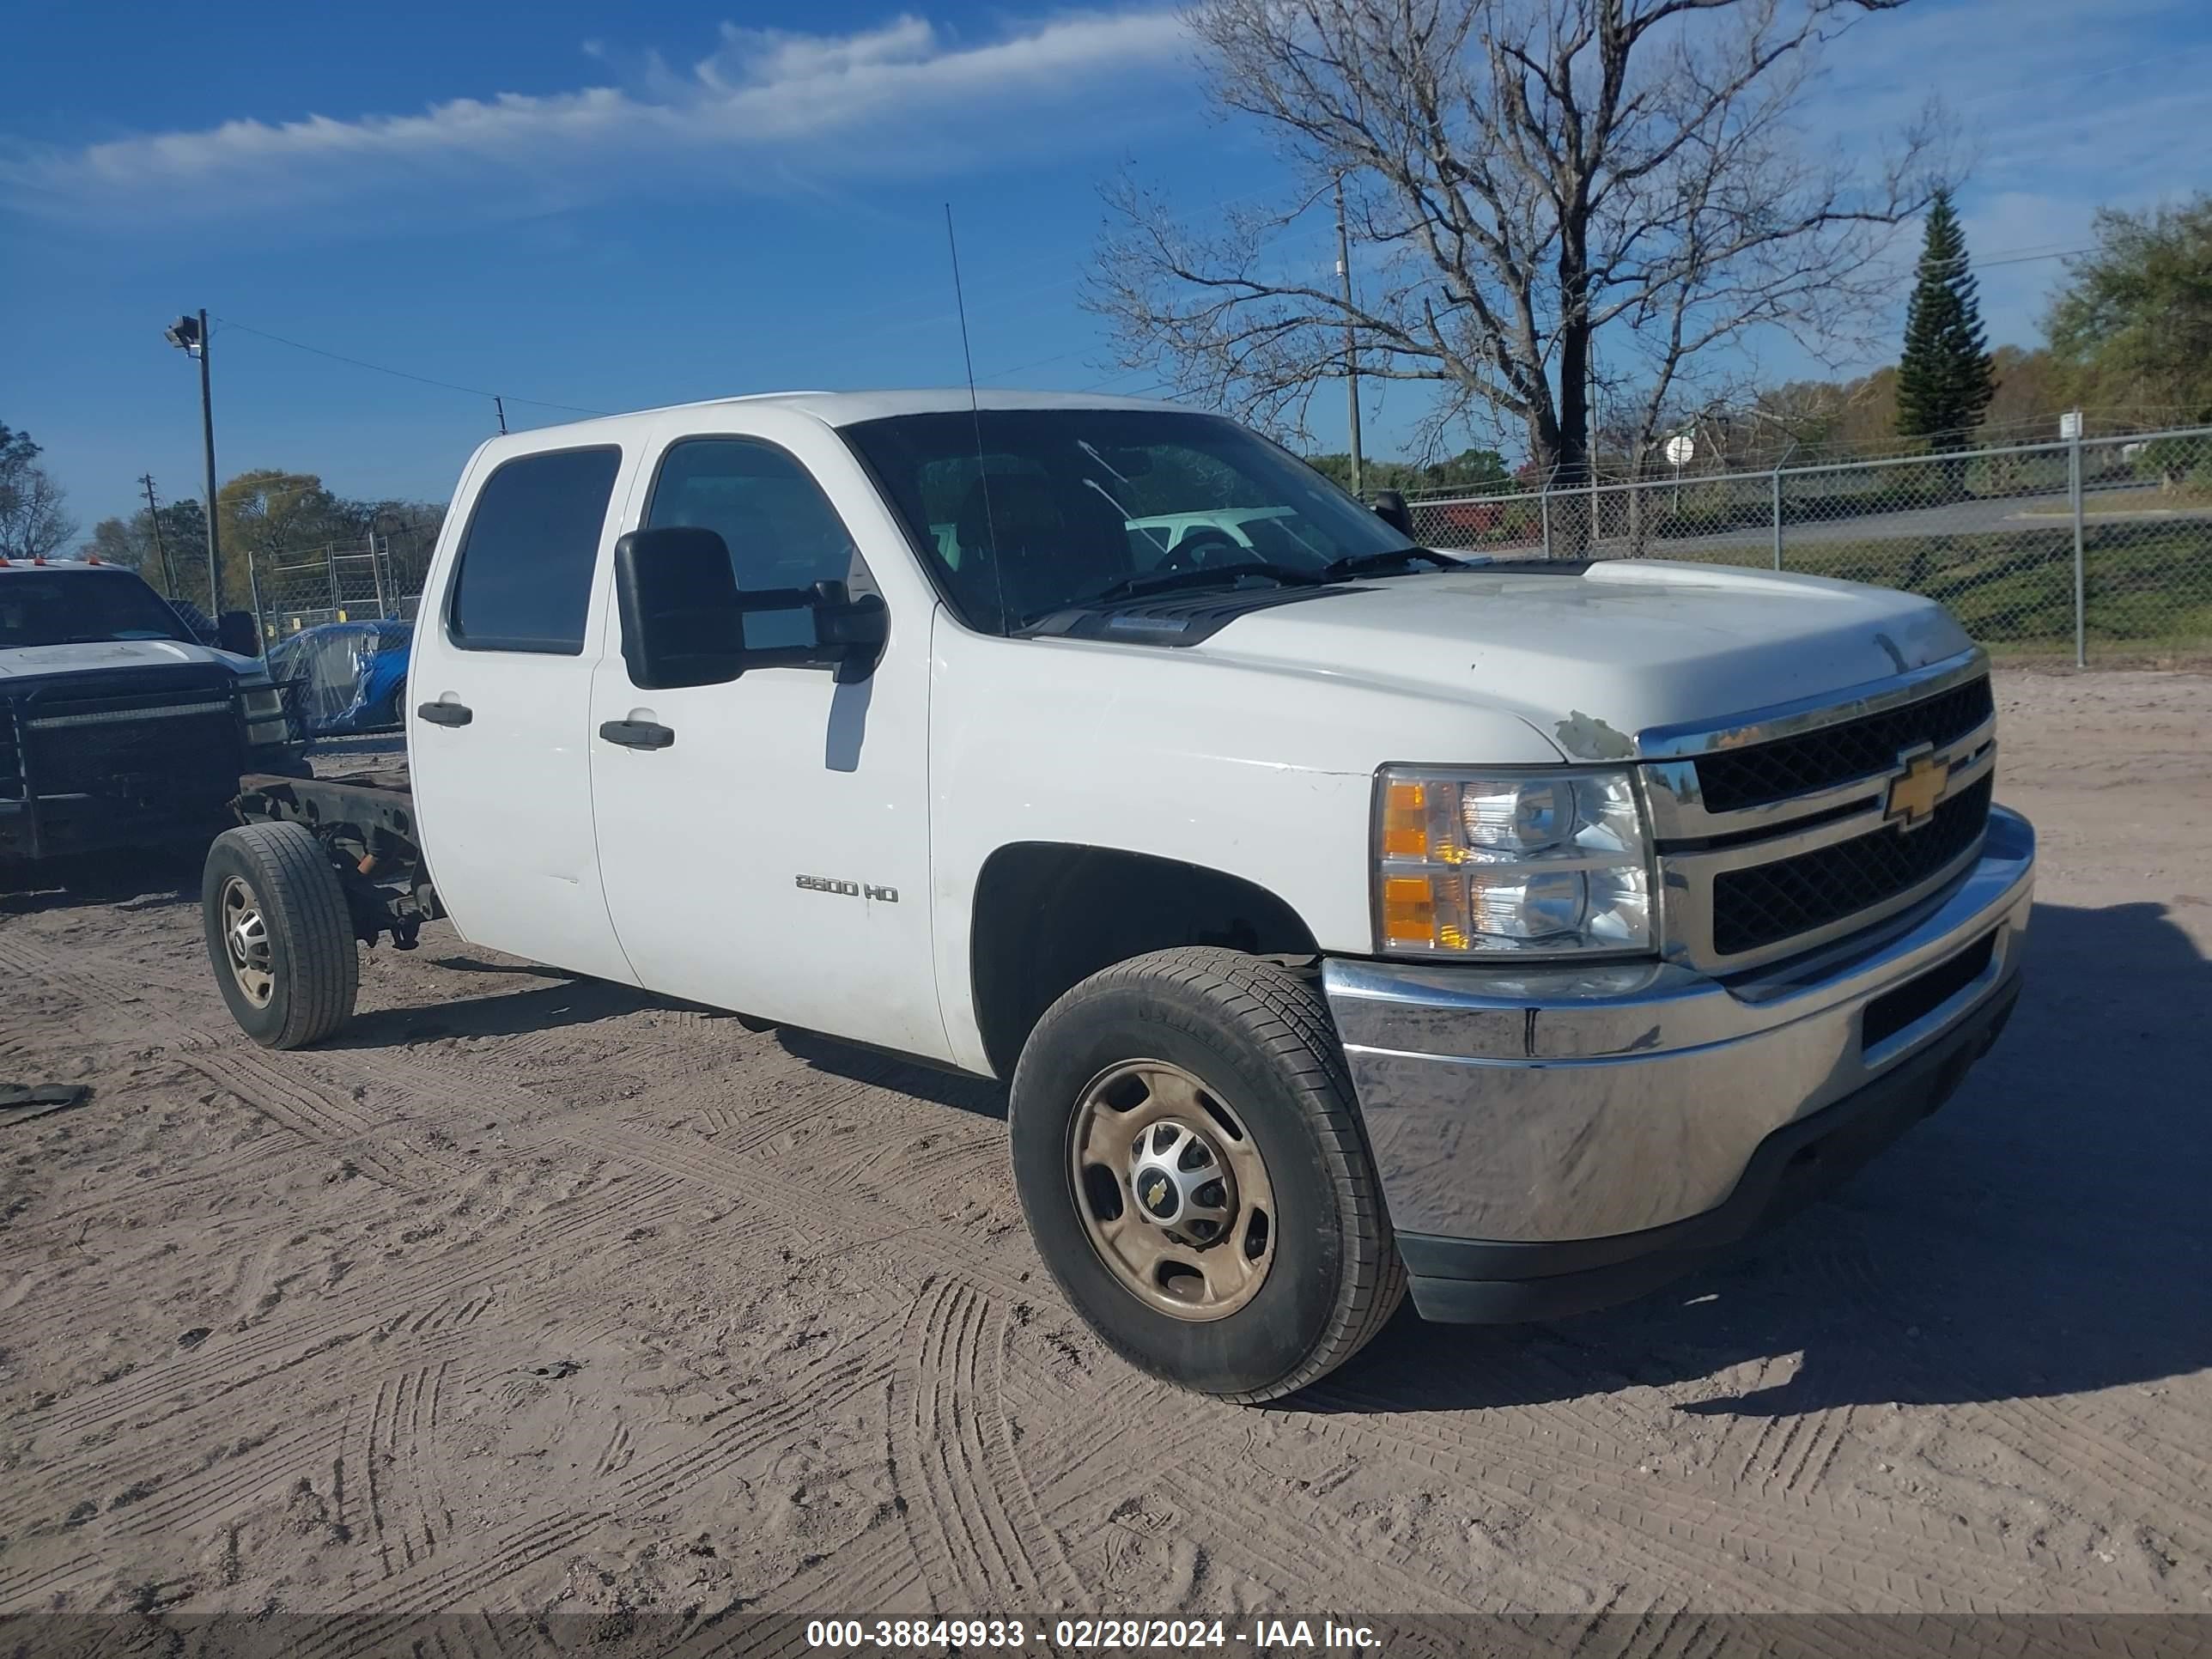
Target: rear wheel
1191,1163
279,935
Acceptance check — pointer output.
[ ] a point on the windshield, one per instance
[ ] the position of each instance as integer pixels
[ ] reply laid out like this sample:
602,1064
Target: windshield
77,607
1054,506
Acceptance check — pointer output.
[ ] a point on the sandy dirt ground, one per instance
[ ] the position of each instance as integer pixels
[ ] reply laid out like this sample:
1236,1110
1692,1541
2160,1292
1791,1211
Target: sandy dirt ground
542,1296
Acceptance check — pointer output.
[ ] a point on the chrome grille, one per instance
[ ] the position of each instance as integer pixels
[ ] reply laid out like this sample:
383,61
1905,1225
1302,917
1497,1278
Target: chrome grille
1774,830
1736,778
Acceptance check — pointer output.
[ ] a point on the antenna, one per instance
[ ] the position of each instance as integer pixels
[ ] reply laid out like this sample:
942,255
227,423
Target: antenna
975,414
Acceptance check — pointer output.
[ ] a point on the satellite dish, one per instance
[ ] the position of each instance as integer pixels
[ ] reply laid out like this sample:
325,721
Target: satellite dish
1680,448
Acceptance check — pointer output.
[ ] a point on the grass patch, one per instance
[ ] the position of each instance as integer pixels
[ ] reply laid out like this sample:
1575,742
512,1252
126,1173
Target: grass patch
2147,499
2147,585
2143,586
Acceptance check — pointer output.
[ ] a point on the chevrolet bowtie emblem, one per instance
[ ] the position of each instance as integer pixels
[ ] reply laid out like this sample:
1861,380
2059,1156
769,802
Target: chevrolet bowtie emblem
1915,793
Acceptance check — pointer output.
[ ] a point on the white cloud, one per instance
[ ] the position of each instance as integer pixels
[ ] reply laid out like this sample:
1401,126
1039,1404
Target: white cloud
896,98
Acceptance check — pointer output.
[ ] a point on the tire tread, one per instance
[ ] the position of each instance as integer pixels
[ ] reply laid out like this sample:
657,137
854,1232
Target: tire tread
303,904
1280,1010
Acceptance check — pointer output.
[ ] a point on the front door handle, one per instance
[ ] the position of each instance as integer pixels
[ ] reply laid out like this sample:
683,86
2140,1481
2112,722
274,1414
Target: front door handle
446,714
637,734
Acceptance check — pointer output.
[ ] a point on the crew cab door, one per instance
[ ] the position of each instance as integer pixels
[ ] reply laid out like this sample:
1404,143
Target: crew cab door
497,705
766,850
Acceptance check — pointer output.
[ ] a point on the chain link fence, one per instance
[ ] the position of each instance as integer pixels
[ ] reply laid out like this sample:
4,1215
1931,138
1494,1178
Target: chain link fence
2081,548
2100,547
378,578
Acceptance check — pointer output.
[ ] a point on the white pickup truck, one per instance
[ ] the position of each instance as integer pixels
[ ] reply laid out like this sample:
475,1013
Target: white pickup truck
1343,915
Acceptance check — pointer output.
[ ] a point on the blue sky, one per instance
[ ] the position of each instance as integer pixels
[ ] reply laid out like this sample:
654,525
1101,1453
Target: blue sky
613,208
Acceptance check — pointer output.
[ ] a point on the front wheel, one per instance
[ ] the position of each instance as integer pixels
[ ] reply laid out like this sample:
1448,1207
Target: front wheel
279,935
1190,1159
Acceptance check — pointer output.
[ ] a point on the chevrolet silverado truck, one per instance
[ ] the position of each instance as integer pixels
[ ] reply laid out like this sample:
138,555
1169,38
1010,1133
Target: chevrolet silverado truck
117,727
1345,916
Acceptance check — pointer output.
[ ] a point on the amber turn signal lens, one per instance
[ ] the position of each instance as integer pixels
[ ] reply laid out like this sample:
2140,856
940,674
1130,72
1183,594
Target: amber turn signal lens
1406,821
1408,909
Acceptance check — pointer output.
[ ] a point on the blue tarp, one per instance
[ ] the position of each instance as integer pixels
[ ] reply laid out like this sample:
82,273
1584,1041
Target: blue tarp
351,675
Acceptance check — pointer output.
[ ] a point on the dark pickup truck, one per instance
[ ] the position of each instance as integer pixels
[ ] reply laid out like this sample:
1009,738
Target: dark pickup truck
117,727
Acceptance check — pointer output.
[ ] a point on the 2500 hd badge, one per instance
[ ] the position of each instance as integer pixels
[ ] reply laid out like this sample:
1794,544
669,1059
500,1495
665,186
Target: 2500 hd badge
847,889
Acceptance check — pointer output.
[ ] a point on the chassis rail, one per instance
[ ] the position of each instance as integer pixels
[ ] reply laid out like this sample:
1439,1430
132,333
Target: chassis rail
366,822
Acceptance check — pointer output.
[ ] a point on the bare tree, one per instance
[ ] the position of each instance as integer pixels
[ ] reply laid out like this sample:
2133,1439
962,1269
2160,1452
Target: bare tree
32,522
1536,172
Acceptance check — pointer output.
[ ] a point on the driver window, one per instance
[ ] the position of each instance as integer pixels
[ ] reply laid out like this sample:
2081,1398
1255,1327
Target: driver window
780,528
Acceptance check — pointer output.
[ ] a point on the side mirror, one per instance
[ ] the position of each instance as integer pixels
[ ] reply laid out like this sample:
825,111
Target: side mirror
682,621
1390,508
850,632
683,616
238,634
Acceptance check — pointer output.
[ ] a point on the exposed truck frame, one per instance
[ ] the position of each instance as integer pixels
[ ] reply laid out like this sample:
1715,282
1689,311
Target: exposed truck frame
365,823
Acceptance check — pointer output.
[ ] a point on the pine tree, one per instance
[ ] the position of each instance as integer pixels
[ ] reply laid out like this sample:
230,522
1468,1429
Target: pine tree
1944,381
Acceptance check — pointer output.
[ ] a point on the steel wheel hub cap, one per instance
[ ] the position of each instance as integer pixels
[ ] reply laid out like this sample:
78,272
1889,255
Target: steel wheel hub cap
245,942
1171,1190
1182,1182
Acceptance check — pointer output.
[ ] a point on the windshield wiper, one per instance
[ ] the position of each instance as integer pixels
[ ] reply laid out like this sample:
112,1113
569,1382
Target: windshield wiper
1164,581
1374,564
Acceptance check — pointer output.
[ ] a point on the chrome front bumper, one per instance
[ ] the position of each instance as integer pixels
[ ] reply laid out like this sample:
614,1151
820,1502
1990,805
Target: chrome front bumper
1561,1105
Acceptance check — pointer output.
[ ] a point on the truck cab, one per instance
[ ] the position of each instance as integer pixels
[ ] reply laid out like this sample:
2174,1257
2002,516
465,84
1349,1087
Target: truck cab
1343,914
118,726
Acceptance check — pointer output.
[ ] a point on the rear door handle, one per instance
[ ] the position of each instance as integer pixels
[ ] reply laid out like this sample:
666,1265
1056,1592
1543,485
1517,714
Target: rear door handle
637,734
446,714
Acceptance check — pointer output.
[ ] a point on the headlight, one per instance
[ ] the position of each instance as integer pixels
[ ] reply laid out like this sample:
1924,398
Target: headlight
263,709
1535,863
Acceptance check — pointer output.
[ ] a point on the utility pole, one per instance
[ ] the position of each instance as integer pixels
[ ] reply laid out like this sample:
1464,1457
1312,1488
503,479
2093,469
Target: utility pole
160,547
190,334
1351,362
1593,427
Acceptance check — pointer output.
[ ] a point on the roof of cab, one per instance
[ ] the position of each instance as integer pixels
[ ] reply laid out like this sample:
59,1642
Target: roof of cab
840,408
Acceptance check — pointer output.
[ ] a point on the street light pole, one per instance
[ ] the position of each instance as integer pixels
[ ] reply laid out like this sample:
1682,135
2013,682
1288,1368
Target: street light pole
207,445
190,334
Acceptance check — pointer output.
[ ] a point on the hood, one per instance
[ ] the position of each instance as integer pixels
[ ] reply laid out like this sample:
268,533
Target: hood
1592,656
42,661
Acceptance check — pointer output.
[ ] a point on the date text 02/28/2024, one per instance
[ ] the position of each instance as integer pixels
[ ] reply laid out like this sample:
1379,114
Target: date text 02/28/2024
1120,1635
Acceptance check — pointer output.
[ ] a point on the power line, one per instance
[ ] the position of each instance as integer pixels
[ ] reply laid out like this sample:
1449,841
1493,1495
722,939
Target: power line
2027,259
404,375
2011,88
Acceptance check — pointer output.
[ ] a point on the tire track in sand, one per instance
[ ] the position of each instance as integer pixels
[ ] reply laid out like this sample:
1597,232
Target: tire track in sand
740,1432
976,1511
403,1294
225,1486
1877,1556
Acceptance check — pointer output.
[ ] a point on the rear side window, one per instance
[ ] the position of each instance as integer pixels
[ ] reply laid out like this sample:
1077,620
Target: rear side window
525,580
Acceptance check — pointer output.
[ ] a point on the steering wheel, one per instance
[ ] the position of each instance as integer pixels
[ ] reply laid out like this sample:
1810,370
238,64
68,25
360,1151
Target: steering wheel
1190,553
